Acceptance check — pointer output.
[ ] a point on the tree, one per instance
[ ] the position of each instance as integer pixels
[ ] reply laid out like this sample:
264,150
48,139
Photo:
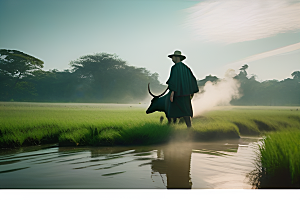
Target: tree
207,78
296,74
107,78
242,76
55,86
18,64
248,88
243,69
15,65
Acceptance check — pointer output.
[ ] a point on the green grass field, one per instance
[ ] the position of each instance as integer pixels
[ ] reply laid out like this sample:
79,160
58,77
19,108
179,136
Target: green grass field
116,124
78,124
23,124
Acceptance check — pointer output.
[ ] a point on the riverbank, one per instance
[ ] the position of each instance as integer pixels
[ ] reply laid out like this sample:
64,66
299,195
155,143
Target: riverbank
25,124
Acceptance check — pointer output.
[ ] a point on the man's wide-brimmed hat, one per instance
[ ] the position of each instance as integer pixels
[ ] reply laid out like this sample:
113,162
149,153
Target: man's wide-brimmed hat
177,53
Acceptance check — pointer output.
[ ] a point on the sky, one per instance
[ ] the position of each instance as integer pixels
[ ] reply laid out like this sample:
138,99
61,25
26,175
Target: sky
214,35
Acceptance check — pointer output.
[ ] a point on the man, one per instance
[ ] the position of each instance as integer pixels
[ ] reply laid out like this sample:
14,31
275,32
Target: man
182,85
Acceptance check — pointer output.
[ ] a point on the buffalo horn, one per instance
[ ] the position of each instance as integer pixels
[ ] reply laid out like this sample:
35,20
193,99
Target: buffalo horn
153,94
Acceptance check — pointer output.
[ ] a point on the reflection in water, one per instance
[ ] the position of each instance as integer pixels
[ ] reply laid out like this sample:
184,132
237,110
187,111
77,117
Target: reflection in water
174,161
223,164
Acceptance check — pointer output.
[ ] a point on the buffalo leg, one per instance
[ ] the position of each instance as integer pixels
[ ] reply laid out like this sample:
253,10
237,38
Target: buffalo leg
161,119
169,120
174,120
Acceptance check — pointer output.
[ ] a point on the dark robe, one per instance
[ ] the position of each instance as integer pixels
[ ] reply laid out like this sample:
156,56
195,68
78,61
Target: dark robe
184,84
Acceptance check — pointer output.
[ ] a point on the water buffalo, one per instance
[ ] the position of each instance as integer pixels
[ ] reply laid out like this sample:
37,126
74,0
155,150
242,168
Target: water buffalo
160,103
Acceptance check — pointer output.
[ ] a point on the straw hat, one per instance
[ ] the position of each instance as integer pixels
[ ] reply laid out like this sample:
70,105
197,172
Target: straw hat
177,53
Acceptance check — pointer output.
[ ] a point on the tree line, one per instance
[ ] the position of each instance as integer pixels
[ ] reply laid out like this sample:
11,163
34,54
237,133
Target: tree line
265,93
106,78
101,77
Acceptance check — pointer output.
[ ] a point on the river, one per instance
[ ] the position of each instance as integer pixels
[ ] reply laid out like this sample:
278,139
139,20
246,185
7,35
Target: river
197,165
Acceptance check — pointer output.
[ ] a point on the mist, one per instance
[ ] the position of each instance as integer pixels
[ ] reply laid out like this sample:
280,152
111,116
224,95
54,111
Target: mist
216,94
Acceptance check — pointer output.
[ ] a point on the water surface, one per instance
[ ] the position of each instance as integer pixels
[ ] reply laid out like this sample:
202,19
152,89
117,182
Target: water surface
197,165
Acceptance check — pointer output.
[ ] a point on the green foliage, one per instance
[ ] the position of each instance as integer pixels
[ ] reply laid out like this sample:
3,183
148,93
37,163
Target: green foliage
100,77
16,63
269,92
296,74
14,67
107,78
210,78
279,159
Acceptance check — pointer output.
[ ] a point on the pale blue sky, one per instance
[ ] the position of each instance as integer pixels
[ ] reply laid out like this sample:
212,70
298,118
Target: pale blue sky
144,32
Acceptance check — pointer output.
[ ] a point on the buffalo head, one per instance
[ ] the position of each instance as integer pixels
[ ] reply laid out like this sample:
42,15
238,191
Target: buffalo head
158,103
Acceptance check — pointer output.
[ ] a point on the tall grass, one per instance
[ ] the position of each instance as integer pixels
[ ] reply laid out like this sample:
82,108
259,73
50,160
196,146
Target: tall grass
78,124
113,124
278,164
258,119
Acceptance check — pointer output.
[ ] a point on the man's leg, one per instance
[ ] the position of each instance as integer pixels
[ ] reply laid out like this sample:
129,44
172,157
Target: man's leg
187,120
